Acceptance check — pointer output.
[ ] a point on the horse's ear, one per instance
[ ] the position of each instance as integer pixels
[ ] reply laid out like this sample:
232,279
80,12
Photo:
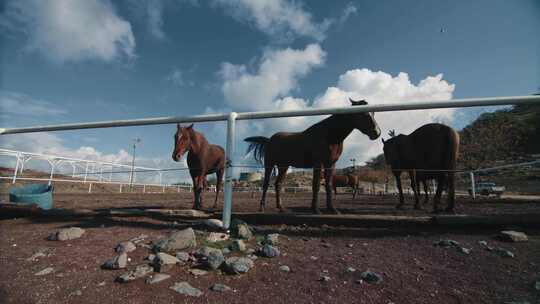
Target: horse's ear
358,102
178,126
190,127
383,142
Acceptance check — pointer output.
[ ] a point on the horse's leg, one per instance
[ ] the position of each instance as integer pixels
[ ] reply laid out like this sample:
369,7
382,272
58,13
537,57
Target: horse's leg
426,197
196,192
400,190
451,192
316,184
267,172
219,181
414,186
438,193
335,189
328,172
282,172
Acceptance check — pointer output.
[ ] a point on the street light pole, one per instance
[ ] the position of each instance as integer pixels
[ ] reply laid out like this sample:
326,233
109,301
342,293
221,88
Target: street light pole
135,142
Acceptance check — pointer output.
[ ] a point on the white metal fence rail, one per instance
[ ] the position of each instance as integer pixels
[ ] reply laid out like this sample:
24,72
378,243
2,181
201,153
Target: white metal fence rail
233,116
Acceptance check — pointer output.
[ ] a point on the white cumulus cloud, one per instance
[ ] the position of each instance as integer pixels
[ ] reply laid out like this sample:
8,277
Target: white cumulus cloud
276,76
71,30
281,19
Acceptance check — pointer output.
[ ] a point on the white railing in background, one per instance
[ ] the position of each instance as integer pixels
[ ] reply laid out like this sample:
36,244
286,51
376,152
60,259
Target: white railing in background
233,116
91,171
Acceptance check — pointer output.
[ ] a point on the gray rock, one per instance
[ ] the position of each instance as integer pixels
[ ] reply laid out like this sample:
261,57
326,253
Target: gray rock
101,284
446,243
215,259
186,289
164,262
138,238
238,265
204,252
371,277
503,252
250,251
213,223
177,240
217,237
45,271
513,236
219,287
483,243
324,278
126,247
350,269
240,229
197,272
463,250
118,262
183,256
139,272
284,268
238,245
225,251
537,285
252,257
158,277
66,234
271,239
41,253
269,251
150,257
76,293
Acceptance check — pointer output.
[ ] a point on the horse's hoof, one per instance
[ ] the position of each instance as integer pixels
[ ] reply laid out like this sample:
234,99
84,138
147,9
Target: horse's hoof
281,210
261,209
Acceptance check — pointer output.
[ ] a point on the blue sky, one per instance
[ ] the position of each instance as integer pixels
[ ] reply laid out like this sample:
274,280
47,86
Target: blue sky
70,61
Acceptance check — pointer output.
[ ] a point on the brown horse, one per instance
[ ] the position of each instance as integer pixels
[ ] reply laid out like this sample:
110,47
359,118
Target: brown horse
202,159
318,147
430,152
347,180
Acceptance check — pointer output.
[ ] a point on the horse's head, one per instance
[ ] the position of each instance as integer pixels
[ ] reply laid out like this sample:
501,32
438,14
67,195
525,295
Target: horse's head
393,149
366,124
182,141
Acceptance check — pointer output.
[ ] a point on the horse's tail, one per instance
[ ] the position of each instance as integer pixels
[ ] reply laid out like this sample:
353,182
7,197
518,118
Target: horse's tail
257,144
453,149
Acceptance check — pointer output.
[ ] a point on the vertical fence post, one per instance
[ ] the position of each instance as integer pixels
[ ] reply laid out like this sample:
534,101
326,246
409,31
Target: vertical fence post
229,153
120,187
16,168
473,186
144,188
53,164
90,188
86,172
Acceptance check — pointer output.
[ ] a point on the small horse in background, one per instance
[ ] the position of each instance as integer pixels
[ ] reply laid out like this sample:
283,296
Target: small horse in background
347,180
202,159
430,152
318,147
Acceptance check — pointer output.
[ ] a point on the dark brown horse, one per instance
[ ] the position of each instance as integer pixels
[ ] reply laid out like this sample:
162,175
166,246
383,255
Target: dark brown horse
202,159
347,180
430,152
318,147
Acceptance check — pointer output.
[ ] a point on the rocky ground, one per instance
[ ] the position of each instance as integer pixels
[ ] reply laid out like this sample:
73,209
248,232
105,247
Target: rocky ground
143,260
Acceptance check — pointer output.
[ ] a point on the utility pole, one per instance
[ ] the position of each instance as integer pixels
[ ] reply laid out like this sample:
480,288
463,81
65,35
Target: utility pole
136,140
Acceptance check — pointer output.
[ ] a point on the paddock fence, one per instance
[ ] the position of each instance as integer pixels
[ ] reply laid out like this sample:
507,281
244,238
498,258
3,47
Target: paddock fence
232,117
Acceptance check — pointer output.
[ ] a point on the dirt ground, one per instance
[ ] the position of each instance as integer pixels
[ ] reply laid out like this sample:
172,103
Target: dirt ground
413,269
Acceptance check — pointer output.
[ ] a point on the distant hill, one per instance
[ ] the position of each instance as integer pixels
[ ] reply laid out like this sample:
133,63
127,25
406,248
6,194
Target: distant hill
509,135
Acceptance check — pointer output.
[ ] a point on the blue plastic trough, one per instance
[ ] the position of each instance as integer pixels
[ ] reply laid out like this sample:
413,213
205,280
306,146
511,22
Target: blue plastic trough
38,194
